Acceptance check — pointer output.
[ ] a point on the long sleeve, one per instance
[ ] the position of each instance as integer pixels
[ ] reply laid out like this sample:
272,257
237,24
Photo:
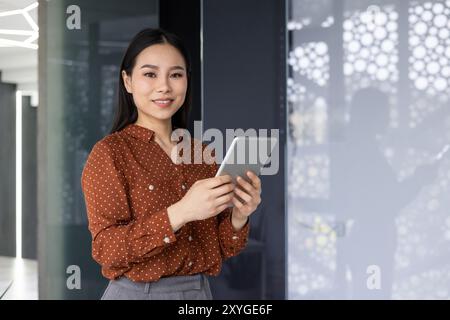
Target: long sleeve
231,242
119,240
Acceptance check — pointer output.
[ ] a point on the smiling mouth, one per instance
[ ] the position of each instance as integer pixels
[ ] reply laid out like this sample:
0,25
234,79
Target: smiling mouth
163,102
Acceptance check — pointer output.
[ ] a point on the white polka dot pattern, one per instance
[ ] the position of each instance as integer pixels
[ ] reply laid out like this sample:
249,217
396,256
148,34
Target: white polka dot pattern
128,183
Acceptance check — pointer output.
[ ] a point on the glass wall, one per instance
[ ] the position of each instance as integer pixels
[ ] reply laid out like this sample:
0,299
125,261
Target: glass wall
369,131
80,48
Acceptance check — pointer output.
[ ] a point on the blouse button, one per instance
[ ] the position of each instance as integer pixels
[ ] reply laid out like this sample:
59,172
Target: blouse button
234,237
151,187
190,263
190,238
166,239
183,186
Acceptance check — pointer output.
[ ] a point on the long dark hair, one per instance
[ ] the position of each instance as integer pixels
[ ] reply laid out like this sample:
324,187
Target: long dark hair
126,112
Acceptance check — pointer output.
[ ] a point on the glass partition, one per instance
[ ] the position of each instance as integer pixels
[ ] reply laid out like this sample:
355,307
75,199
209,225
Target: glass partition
368,163
80,48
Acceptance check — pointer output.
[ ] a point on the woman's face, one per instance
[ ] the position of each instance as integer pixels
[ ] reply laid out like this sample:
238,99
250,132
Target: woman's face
158,81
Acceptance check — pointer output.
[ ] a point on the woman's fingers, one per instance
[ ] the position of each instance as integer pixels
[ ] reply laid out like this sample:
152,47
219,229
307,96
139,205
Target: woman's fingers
256,181
218,181
243,195
249,188
226,198
237,203
224,189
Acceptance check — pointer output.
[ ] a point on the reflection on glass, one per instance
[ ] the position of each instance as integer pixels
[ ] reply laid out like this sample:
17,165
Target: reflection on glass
368,164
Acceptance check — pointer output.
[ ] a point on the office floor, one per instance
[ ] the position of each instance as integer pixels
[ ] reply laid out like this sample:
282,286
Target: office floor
18,279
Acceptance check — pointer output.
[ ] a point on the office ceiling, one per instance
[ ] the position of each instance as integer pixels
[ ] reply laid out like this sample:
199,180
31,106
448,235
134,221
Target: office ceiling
18,43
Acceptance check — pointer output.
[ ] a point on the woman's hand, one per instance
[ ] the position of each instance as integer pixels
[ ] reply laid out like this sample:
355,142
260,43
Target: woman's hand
250,193
206,198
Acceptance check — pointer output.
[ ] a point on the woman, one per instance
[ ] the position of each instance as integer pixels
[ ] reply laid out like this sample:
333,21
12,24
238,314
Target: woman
159,227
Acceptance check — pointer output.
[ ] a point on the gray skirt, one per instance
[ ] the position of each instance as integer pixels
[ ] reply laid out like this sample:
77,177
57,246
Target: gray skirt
194,287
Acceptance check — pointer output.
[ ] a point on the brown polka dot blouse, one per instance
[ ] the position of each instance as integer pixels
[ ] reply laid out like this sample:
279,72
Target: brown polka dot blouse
128,182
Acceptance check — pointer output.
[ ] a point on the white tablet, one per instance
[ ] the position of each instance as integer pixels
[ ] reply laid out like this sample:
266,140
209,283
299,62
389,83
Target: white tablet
247,153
